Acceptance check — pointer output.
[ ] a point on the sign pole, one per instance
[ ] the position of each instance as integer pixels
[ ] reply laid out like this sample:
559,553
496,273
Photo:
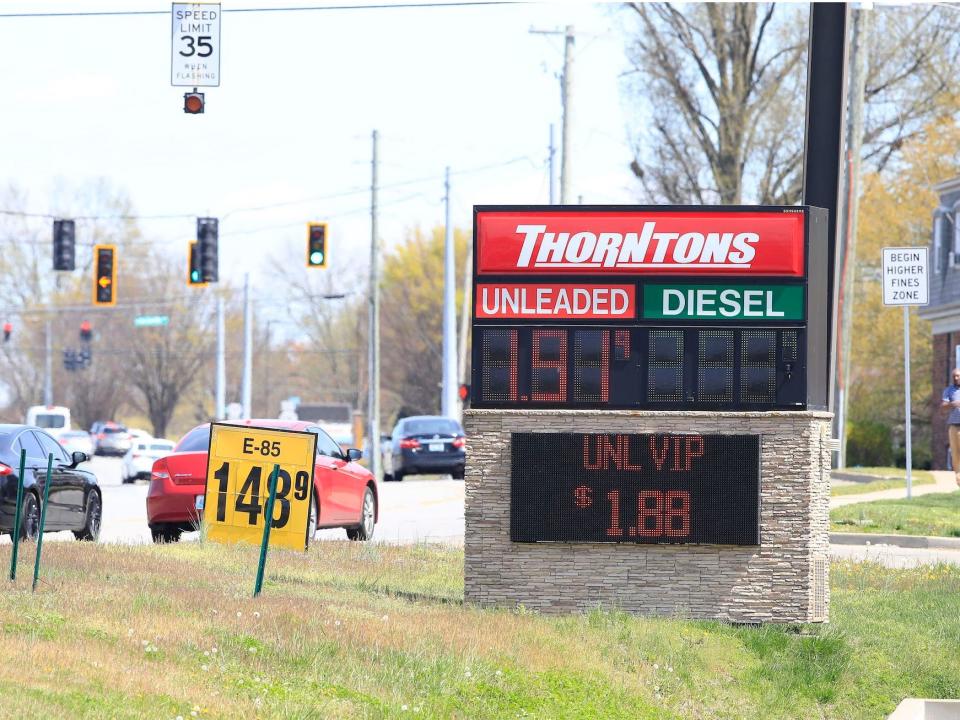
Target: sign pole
906,395
15,532
43,521
267,522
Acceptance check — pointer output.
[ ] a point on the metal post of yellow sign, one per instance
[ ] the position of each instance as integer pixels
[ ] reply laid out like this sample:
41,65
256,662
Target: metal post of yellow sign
15,532
240,462
265,543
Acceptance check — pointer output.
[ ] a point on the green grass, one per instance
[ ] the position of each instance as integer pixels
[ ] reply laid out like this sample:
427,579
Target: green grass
891,478
353,631
936,514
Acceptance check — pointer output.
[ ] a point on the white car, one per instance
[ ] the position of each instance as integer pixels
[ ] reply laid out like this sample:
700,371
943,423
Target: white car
140,457
73,440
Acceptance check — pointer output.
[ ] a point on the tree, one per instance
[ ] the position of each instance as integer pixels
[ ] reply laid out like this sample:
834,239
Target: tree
726,86
164,362
896,211
721,80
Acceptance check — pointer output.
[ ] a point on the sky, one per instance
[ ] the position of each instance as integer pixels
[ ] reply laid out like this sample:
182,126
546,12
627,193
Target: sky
289,129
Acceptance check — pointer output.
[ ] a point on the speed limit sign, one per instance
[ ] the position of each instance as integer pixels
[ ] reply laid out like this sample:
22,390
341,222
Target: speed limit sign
195,50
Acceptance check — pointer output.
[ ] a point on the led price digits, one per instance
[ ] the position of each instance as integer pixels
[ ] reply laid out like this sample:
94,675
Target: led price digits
626,488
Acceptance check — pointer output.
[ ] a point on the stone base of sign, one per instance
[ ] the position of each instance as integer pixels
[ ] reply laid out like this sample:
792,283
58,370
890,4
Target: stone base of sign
784,580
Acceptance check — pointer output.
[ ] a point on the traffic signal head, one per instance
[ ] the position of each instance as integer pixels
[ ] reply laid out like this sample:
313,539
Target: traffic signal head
207,235
317,245
7,329
86,331
194,271
104,275
64,242
193,103
464,392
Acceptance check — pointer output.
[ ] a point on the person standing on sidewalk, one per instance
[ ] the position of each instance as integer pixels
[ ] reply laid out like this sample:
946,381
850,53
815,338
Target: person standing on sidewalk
951,401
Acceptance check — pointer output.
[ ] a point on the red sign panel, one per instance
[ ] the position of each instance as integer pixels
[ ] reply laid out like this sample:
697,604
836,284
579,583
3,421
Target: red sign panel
660,242
556,302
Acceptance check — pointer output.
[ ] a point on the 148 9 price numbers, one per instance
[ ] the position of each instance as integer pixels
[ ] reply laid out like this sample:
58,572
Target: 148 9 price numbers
251,501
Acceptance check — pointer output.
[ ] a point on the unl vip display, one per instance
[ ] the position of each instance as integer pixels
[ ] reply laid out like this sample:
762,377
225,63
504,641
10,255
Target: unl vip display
719,308
619,488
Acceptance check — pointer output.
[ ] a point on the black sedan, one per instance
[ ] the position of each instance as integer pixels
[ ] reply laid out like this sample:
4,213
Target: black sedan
426,444
75,500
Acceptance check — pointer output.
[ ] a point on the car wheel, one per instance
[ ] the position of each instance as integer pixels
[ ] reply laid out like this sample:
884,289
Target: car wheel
368,514
30,517
387,477
92,518
312,521
398,476
458,474
163,533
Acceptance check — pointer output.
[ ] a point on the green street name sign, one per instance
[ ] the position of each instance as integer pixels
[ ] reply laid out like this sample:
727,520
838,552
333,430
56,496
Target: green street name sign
723,302
151,320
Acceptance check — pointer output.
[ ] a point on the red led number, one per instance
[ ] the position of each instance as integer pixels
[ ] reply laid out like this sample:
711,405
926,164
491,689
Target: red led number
659,514
549,366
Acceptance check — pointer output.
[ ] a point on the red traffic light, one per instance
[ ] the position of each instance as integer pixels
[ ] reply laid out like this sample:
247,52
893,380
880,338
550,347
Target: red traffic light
7,329
464,392
193,103
86,330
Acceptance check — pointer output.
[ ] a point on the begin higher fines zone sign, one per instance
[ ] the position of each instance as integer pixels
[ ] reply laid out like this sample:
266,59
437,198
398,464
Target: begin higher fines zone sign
905,279
239,466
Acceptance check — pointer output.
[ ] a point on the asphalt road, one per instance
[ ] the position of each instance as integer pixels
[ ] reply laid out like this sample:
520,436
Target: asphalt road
419,509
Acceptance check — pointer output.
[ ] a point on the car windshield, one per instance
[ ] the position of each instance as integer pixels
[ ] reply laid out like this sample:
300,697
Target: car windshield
114,430
161,446
431,426
51,421
73,435
196,440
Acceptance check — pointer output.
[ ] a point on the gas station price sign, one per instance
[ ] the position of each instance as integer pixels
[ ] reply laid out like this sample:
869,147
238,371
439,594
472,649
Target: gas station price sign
622,488
239,466
720,308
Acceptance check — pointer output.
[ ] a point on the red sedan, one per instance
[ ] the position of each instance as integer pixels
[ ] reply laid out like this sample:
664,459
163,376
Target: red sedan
345,493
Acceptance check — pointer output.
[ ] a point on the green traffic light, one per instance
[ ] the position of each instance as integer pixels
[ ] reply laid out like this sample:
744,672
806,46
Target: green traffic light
194,276
316,258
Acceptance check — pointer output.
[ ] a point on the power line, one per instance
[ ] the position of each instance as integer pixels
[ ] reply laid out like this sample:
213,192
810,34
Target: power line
285,203
308,8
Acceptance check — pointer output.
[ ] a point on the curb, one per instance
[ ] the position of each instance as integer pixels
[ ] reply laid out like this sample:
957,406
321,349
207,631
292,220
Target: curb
905,541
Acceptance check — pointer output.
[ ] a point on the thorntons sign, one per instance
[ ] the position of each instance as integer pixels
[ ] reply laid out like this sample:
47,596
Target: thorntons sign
640,242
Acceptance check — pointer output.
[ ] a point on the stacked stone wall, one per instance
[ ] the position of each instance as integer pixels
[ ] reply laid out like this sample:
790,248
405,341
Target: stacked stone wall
785,579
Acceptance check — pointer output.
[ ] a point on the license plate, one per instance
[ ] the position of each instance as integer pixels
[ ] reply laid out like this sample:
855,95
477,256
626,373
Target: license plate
198,504
435,447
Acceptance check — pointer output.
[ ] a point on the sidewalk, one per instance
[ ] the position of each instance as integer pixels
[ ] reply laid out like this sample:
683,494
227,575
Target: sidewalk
944,482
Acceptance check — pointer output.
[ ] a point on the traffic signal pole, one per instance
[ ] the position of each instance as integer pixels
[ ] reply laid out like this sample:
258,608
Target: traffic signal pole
247,348
221,364
48,368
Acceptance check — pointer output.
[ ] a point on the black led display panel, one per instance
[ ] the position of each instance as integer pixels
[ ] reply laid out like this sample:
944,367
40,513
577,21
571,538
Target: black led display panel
622,488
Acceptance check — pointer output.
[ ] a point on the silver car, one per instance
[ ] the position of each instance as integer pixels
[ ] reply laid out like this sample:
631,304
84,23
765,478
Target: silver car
113,440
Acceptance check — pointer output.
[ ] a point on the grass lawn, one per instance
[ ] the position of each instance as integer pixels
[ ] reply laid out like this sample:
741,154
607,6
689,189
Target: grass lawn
355,631
891,478
935,514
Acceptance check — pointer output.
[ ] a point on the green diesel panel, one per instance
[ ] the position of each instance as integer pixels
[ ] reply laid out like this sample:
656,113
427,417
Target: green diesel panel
723,302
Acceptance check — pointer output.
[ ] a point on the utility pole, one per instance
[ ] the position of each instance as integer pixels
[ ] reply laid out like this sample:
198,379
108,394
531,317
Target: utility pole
566,127
849,207
551,153
567,87
48,369
448,399
465,315
247,348
373,404
221,381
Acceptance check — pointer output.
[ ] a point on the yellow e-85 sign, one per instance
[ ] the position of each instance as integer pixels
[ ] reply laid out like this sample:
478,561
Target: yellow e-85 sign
239,467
